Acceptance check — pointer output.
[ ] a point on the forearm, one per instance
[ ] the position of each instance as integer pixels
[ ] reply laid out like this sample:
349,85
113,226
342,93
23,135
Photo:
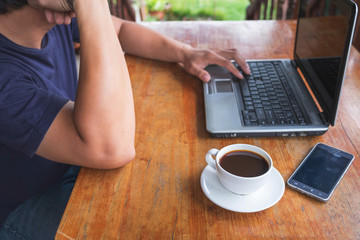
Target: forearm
141,41
103,110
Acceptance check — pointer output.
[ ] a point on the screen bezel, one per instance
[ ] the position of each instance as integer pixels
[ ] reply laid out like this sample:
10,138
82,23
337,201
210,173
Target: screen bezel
311,190
330,112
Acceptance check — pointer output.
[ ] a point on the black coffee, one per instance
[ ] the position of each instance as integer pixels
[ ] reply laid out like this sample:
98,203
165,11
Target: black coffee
244,163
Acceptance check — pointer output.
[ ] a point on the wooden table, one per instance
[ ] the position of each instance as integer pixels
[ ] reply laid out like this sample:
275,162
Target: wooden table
158,195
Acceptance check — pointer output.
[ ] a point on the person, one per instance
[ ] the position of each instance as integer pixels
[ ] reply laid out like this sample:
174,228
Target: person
53,121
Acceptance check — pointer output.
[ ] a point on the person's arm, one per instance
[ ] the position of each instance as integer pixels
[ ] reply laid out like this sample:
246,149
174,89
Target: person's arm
98,129
141,41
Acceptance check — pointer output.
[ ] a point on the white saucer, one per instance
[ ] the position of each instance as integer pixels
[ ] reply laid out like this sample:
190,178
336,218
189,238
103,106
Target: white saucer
260,200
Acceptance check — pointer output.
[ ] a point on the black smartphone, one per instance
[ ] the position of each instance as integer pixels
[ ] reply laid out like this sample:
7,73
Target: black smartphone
321,171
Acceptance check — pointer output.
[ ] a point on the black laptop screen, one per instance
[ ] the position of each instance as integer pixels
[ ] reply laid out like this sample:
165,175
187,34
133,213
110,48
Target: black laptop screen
323,38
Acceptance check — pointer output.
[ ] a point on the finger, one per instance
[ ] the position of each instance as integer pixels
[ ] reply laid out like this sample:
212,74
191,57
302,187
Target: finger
233,54
243,64
200,73
59,17
67,19
49,16
204,76
221,61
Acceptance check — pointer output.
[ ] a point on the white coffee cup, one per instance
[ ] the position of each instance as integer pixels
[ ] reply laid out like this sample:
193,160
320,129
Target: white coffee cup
238,184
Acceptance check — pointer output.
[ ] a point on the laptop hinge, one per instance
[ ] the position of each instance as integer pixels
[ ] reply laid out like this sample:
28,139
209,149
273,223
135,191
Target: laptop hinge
323,118
294,64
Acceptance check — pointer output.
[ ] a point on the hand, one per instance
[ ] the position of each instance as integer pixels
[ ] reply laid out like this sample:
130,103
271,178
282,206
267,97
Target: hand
59,17
56,11
55,5
196,60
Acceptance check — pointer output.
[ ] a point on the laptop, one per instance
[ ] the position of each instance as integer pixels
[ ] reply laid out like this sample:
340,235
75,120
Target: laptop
287,97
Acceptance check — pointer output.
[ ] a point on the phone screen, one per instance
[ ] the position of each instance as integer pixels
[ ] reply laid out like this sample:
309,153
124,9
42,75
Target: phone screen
321,170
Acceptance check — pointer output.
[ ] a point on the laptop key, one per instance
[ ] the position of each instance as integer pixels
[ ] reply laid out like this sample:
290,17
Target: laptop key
253,117
291,121
270,114
302,121
267,107
249,102
260,113
281,121
288,114
249,118
247,123
244,88
272,121
262,122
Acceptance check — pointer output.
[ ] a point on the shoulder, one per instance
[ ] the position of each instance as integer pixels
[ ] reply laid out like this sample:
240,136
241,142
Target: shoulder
15,82
11,71
10,68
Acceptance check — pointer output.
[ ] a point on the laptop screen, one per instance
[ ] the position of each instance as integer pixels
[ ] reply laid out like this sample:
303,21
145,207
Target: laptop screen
323,39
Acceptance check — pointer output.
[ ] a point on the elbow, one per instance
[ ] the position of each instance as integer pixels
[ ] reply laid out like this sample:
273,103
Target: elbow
119,158
113,158
124,158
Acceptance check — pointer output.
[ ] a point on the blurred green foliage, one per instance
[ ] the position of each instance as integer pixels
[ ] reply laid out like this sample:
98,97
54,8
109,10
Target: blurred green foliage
196,9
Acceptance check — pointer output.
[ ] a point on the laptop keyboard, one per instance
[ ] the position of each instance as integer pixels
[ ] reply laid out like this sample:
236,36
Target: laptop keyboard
268,98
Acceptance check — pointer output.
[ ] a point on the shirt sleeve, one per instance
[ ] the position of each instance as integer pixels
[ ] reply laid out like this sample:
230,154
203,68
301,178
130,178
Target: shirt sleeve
26,111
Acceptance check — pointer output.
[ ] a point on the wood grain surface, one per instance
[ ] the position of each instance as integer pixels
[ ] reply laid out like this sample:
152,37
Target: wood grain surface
158,195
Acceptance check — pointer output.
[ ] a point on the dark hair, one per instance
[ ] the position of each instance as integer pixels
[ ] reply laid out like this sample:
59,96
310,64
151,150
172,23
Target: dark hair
9,5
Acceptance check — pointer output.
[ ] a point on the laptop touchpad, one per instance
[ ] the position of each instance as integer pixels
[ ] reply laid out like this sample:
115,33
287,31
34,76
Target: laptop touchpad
223,86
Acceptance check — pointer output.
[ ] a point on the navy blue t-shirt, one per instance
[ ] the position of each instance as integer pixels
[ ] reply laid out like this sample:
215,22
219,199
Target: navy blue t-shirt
34,86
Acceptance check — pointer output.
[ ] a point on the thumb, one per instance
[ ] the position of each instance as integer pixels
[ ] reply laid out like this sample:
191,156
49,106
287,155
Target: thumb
205,77
202,74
